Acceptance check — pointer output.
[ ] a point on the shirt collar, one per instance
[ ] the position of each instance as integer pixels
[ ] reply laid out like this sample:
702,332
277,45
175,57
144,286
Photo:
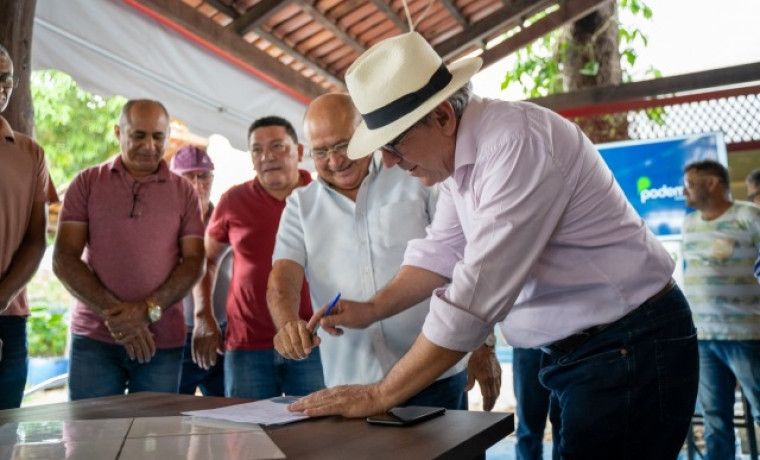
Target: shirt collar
161,175
6,132
466,146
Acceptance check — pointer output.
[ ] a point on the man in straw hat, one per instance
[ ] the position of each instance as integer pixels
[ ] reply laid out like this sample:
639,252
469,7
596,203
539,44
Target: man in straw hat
531,231
360,198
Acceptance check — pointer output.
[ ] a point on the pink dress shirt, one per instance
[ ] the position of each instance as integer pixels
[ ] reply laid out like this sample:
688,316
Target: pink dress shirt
533,232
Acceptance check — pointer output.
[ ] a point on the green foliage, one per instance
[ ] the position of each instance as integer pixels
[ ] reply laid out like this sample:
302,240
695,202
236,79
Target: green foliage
47,327
73,126
538,67
47,331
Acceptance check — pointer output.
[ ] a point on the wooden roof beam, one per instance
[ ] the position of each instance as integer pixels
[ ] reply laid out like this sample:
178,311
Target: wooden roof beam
240,52
331,26
305,61
392,15
256,15
570,12
223,8
454,12
501,20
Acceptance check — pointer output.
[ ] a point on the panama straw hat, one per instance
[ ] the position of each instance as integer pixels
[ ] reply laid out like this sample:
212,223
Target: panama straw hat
396,83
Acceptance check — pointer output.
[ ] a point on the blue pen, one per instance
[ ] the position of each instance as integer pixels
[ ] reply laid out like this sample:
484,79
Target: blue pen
327,312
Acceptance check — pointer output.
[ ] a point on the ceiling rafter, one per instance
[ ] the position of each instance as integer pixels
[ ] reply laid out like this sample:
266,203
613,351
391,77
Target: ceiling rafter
500,21
455,13
255,16
239,50
223,8
295,54
572,11
330,25
392,15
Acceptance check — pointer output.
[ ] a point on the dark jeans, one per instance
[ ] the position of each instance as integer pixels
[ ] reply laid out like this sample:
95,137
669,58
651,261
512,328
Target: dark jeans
532,403
628,392
448,393
102,369
211,382
262,374
14,363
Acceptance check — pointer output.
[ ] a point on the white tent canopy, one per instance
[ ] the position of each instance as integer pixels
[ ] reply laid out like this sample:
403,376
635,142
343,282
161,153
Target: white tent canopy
109,48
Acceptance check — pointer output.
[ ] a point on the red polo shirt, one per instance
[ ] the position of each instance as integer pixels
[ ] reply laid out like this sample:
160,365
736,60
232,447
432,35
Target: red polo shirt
247,218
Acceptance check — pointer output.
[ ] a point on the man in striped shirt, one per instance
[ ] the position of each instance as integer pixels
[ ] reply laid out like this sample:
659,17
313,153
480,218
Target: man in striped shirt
720,247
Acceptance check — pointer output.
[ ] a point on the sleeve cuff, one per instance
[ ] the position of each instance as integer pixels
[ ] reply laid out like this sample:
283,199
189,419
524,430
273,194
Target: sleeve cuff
449,326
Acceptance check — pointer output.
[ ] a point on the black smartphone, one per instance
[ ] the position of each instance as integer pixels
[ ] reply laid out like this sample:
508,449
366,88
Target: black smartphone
402,416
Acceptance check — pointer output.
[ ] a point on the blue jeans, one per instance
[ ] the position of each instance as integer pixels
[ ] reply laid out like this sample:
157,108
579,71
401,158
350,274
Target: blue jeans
14,363
103,369
532,403
261,374
211,382
722,363
448,393
629,391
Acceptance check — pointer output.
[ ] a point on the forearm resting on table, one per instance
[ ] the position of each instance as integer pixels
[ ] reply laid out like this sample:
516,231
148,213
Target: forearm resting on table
420,367
410,286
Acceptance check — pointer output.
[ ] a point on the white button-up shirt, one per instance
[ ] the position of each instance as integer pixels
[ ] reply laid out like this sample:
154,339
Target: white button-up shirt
356,248
534,232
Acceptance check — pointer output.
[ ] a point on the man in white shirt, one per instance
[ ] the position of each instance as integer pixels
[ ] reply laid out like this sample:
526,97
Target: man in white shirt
363,212
531,231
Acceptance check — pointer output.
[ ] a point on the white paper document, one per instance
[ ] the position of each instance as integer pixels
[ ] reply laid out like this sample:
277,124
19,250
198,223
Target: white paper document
272,411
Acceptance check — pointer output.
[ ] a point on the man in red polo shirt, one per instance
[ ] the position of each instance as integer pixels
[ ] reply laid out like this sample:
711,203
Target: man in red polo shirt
129,248
247,218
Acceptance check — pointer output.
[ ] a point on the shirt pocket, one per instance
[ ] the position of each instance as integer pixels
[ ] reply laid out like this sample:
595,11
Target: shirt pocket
401,222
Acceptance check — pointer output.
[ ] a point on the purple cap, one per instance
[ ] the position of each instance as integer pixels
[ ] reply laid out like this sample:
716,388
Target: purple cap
191,158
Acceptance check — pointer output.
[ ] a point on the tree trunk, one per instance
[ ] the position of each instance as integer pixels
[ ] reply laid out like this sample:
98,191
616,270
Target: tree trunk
16,24
594,38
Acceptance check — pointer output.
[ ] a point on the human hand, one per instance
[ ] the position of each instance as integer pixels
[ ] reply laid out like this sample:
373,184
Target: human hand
125,319
294,340
485,368
346,400
355,315
140,345
206,343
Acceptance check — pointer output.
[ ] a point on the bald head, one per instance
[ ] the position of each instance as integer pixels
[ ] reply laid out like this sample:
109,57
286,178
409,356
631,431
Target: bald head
334,109
329,124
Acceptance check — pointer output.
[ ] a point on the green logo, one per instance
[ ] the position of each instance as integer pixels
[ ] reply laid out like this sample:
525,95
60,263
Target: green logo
642,184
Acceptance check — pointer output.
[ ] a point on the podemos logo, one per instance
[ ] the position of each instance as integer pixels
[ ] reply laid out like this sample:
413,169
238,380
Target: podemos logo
646,193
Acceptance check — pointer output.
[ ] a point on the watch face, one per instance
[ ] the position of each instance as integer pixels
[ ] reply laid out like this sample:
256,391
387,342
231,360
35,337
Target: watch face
154,313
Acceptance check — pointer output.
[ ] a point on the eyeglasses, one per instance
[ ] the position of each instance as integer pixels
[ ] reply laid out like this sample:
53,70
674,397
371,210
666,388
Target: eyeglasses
135,191
277,148
321,154
390,147
201,176
8,81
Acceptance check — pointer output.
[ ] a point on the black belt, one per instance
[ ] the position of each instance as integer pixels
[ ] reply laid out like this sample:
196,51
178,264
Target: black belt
574,341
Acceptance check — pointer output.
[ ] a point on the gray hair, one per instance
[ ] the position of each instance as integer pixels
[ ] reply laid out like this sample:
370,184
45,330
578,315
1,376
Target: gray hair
754,178
461,99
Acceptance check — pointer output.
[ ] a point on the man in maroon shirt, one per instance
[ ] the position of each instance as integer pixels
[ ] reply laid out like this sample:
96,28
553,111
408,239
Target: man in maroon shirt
247,218
129,247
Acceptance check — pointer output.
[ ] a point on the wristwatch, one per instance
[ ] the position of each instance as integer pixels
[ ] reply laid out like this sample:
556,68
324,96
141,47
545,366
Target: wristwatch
154,310
490,340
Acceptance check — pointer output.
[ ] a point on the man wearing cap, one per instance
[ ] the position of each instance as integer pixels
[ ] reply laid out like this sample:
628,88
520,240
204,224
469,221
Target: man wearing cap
129,248
246,220
532,232
360,199
194,164
24,191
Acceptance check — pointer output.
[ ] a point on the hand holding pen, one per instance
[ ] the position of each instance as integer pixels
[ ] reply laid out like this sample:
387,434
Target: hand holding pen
327,312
